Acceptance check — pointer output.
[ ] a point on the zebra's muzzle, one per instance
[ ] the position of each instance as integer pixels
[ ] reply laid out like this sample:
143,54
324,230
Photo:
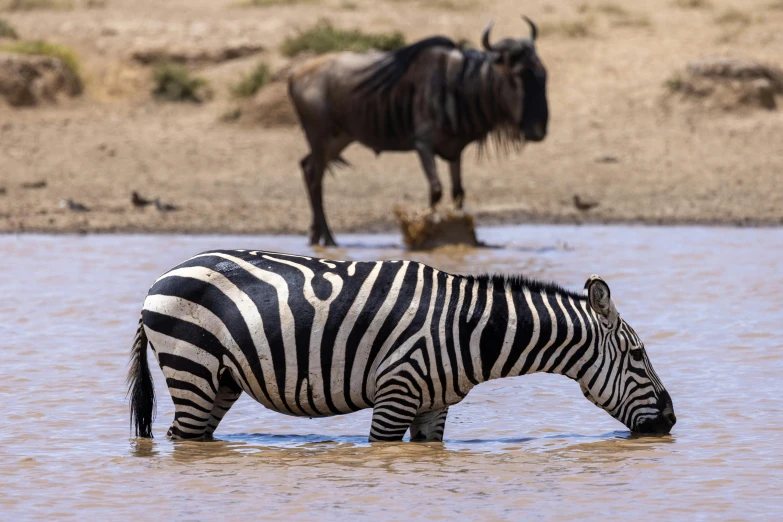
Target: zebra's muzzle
663,423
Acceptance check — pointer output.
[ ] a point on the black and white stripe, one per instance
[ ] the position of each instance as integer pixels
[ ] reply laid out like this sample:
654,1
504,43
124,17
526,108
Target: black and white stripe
315,337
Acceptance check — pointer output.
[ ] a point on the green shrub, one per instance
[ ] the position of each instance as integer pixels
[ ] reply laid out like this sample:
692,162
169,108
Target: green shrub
7,30
39,47
250,84
174,83
612,10
323,37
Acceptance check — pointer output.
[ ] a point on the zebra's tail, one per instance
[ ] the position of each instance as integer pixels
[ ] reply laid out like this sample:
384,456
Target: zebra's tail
140,388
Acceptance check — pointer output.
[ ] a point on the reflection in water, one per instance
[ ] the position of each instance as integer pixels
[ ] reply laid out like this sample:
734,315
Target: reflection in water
529,447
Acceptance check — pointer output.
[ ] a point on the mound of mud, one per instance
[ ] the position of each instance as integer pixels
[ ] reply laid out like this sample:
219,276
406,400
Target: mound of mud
427,229
27,80
729,84
191,56
271,107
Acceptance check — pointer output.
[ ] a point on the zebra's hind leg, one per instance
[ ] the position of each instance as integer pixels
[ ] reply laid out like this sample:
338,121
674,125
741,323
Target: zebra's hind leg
429,426
227,394
192,410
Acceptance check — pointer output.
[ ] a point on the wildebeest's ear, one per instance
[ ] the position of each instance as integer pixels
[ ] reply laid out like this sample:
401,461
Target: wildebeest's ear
600,299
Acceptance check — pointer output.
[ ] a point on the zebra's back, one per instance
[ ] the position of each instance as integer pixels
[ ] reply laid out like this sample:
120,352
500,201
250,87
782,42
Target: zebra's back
303,336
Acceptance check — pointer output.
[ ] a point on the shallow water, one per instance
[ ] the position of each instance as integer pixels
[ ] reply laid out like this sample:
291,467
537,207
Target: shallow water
706,301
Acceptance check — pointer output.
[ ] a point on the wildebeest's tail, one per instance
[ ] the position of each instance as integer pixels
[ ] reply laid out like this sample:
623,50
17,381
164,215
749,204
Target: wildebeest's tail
140,388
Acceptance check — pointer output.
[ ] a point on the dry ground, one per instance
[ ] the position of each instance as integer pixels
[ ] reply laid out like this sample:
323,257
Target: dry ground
614,136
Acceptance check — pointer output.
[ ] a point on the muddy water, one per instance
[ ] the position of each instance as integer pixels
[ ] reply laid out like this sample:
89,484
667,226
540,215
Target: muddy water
707,303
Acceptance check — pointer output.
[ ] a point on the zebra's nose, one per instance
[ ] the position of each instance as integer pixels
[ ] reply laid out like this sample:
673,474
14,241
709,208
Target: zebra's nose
667,408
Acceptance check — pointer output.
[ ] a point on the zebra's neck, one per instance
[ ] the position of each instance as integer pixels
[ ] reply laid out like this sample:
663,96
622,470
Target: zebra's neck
525,327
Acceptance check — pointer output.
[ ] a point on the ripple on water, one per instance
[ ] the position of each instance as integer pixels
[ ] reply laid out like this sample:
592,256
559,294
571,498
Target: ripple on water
527,447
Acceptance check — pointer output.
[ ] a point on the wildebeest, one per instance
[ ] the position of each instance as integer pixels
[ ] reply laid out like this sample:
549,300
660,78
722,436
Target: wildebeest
431,96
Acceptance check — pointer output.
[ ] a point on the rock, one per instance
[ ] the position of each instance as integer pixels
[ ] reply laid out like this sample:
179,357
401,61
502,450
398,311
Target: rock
27,80
138,201
73,206
428,228
729,84
583,205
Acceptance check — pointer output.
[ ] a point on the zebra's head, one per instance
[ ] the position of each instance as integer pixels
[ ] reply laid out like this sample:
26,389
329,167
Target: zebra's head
621,379
526,75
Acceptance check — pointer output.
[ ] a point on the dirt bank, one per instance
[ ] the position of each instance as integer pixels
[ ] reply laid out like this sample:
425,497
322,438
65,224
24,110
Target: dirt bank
618,138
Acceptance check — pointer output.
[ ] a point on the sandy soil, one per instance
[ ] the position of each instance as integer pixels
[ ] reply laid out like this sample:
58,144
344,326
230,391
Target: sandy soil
615,137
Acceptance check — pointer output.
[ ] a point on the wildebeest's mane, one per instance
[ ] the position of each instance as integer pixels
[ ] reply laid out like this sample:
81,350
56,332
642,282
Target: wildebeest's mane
519,282
474,115
385,75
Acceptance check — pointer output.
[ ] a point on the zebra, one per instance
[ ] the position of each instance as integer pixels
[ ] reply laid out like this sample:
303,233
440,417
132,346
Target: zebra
316,337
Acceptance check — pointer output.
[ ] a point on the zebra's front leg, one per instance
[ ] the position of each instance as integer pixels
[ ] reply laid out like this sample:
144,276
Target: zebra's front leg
391,418
429,426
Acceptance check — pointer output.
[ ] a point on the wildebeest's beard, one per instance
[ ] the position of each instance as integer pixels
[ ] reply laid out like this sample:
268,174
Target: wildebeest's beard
535,110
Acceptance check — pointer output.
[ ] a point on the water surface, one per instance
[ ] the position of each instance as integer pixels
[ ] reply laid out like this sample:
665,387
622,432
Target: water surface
706,301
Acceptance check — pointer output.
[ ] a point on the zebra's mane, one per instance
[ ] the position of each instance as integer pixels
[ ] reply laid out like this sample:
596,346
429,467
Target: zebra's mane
519,282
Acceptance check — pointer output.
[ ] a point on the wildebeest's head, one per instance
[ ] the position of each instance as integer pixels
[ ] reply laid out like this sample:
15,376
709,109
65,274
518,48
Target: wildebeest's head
520,64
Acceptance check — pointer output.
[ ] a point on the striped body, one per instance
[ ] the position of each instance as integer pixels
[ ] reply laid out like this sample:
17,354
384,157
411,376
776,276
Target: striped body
314,337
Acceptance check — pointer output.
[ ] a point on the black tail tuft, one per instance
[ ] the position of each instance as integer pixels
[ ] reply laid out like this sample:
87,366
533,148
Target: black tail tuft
140,388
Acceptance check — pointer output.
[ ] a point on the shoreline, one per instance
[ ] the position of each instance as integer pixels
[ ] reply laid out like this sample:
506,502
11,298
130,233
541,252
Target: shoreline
388,229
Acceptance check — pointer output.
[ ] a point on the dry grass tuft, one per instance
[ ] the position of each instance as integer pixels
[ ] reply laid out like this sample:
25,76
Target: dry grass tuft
638,20
270,3
674,83
250,84
174,83
39,47
612,10
580,28
323,37
693,4
7,30
734,17
35,5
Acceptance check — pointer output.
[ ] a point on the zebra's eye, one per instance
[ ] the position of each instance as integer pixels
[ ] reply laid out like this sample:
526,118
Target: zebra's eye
636,353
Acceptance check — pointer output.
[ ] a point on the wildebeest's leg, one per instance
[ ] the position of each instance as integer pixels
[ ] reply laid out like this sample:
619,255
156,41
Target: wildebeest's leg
429,426
228,392
457,194
307,171
427,159
314,168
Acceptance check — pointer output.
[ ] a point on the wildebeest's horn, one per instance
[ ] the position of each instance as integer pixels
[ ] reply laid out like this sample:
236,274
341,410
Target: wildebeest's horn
533,28
485,36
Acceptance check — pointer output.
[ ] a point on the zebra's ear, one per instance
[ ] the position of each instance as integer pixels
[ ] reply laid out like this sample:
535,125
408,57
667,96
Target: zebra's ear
600,298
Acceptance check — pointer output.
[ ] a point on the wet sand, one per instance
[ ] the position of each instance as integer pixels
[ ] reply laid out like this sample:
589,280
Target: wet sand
616,138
